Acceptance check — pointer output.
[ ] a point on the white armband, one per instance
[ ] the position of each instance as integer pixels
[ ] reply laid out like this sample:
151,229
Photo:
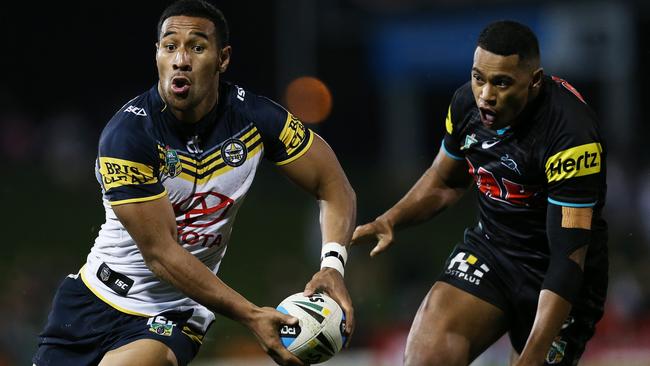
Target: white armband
334,255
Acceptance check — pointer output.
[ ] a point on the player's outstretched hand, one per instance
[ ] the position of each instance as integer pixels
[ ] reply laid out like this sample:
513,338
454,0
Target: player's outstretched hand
265,323
330,281
379,231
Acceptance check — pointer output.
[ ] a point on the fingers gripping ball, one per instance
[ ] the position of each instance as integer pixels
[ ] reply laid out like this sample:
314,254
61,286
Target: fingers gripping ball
319,333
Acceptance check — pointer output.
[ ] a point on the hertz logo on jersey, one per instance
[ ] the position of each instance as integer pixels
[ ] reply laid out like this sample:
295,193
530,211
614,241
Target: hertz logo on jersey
574,162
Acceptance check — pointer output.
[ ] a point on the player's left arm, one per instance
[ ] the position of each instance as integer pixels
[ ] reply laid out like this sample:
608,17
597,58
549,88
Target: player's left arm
569,234
319,172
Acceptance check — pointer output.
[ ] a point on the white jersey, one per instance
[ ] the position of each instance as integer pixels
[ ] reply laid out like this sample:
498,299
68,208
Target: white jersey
205,169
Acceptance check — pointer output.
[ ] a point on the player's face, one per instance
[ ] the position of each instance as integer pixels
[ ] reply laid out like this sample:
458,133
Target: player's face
189,62
502,87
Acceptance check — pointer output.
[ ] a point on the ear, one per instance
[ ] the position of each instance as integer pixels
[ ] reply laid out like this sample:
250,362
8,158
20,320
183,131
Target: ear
156,49
537,78
224,58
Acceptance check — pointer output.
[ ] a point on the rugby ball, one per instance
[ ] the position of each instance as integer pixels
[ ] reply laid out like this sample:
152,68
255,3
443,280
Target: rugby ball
319,333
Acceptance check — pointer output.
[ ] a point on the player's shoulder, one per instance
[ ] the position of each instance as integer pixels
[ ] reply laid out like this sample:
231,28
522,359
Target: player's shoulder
253,106
569,111
571,126
463,98
460,108
462,102
132,123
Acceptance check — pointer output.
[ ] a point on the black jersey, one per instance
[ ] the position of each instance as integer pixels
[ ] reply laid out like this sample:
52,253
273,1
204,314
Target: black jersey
553,155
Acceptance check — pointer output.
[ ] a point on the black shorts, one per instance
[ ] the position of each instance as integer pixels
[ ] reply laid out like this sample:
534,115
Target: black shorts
81,329
479,268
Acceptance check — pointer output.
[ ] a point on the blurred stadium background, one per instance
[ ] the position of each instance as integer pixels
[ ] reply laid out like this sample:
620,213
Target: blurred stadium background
391,67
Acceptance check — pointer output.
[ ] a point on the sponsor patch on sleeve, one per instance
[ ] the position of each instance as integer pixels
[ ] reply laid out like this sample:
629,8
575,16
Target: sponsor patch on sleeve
118,172
574,162
293,135
448,125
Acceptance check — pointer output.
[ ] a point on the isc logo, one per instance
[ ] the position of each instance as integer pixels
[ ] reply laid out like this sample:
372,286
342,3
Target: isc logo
121,284
240,93
574,162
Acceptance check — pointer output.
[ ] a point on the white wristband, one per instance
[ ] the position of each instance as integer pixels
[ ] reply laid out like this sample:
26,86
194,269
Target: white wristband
334,255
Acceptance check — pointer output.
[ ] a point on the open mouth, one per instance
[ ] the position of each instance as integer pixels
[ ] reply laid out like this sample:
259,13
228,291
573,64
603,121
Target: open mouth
488,116
181,85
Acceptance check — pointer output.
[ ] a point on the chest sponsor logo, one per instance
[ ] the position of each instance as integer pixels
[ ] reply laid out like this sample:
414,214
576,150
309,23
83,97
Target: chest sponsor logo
505,190
120,172
467,267
574,162
234,152
135,110
173,166
469,141
200,211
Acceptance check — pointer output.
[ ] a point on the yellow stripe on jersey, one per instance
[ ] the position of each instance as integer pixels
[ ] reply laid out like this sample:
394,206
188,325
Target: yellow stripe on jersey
293,134
114,306
574,162
119,172
219,160
311,140
140,199
216,154
226,168
448,124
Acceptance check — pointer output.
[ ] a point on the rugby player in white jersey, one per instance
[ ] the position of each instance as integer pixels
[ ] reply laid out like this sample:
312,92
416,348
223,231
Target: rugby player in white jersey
175,164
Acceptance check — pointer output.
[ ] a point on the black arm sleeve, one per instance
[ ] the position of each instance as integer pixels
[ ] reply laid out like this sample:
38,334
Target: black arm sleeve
563,276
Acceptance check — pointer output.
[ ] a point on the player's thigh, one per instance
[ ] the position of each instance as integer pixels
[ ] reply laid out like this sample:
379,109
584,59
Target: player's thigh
452,327
142,352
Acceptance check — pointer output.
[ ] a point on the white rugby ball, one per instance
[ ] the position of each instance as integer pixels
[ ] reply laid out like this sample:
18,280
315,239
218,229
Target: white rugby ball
319,333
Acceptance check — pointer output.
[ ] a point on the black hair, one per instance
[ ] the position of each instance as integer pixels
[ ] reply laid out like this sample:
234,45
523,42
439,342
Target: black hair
507,37
199,9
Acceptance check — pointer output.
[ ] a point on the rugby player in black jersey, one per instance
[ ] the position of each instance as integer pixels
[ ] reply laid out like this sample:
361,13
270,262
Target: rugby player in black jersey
535,265
174,164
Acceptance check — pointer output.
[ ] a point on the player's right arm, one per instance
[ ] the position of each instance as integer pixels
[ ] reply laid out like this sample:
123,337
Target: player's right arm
441,185
153,227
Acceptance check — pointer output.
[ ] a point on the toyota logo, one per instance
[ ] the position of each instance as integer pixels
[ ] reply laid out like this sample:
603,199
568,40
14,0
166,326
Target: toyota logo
202,209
